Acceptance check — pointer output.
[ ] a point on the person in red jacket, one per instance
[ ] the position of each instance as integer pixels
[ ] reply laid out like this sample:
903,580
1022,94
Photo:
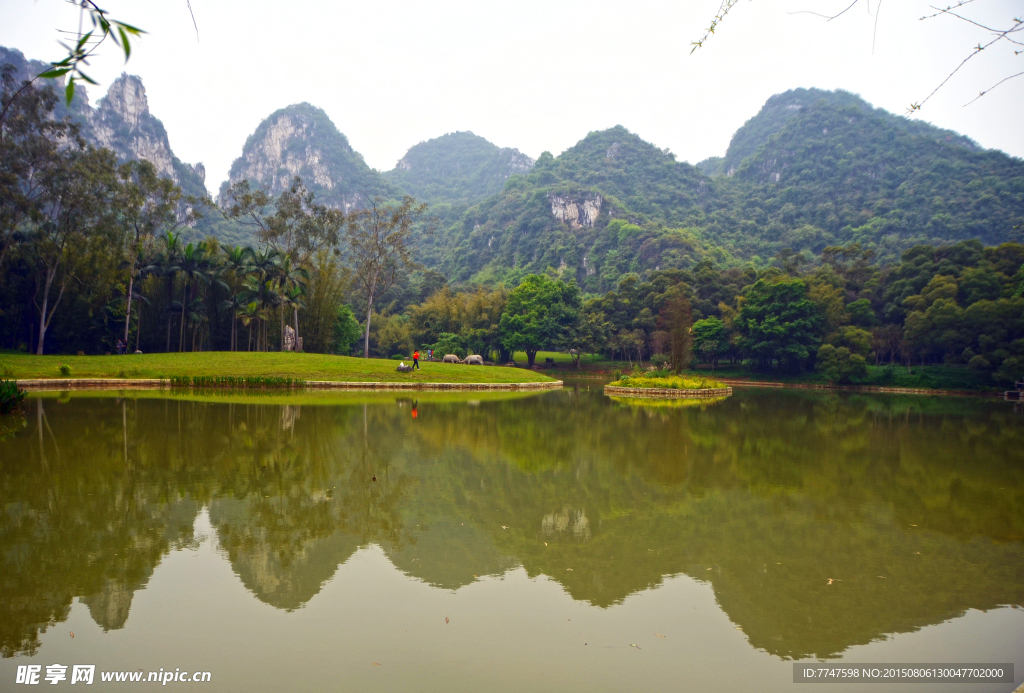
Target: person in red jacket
416,359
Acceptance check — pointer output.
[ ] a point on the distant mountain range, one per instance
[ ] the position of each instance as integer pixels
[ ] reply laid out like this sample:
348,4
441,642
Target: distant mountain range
813,168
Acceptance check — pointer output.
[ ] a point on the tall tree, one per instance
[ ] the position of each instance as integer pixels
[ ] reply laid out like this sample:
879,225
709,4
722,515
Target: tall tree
147,206
73,222
30,144
779,322
677,319
540,313
379,240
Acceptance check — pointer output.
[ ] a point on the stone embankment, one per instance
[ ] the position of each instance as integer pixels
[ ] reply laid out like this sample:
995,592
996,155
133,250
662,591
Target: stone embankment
664,392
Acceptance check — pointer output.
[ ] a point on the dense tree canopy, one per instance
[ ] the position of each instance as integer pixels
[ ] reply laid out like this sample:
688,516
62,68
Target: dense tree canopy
538,313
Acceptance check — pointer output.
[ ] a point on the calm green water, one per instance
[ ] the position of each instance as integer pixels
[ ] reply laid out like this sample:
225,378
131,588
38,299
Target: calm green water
557,541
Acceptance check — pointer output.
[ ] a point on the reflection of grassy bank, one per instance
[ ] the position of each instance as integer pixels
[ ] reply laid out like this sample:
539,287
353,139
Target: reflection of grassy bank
297,397
242,363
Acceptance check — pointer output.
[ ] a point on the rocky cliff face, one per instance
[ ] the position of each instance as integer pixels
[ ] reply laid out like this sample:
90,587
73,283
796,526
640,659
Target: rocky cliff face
121,122
301,140
576,211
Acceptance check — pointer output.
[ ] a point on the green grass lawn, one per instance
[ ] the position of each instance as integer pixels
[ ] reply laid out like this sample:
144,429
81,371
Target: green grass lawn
241,363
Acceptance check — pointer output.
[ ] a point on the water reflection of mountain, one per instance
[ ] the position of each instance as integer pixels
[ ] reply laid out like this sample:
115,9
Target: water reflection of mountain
83,516
912,507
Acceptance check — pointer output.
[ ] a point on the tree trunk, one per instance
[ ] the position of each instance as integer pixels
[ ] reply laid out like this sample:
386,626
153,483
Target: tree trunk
531,356
181,332
366,341
296,310
138,330
128,314
44,320
170,314
282,326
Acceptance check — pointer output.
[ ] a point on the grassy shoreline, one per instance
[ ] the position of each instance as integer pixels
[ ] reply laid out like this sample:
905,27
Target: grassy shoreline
241,363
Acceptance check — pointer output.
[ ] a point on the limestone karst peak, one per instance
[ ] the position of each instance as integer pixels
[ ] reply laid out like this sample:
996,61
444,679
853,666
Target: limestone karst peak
127,98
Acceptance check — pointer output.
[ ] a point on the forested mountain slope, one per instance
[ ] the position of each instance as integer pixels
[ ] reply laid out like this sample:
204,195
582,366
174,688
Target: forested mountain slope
839,171
599,209
457,168
812,169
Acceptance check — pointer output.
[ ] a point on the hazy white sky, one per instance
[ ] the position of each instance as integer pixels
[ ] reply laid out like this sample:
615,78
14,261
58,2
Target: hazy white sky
535,75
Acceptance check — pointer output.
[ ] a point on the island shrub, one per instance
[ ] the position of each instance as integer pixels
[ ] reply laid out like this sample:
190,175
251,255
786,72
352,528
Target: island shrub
669,382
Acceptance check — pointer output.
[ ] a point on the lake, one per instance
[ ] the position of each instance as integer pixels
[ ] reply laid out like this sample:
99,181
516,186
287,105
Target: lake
508,542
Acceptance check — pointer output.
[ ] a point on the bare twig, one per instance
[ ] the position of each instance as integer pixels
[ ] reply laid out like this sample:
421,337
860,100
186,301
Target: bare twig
192,14
827,17
991,88
723,10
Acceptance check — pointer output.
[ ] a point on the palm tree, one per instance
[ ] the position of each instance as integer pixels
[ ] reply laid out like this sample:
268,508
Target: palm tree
195,267
293,298
259,285
248,314
168,263
291,280
234,262
262,293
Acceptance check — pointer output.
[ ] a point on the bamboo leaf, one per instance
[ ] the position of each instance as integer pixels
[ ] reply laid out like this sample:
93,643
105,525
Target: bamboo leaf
125,45
53,74
81,41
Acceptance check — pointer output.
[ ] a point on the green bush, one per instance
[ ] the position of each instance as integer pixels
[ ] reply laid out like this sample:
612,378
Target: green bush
399,357
840,366
448,343
10,396
65,369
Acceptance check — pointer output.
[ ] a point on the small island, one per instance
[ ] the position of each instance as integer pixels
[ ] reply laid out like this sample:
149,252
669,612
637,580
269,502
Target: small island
667,386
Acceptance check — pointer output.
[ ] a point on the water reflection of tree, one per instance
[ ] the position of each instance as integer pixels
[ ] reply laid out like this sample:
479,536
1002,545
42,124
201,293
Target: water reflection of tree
77,529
